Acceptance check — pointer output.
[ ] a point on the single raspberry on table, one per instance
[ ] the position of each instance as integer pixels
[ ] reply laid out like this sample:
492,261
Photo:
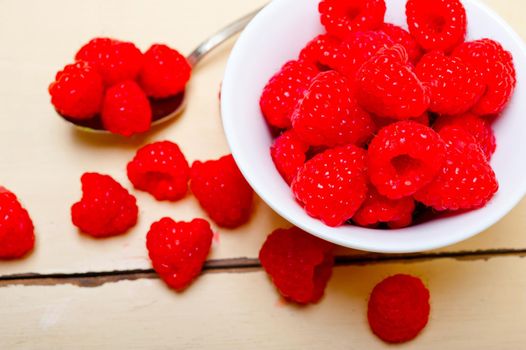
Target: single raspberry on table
437,24
398,308
401,36
320,52
387,86
17,236
105,209
178,250
333,185
115,60
329,115
126,109
160,169
342,17
77,91
403,158
382,122
288,153
283,90
165,72
222,191
299,264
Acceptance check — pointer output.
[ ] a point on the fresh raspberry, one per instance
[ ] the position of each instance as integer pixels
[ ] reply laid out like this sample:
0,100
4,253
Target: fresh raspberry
126,109
165,72
403,158
478,127
401,36
105,209
288,154
77,91
329,115
342,17
398,308
387,86
17,236
382,122
178,250
333,185
320,51
437,24
299,264
222,191
466,180
454,87
282,92
115,60
160,169
397,213
495,66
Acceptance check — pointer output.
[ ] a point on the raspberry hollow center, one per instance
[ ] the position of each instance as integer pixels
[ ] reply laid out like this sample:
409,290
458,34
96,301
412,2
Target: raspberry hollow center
406,165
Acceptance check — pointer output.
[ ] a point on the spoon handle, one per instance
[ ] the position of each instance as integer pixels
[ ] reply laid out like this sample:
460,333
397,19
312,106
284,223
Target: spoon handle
218,38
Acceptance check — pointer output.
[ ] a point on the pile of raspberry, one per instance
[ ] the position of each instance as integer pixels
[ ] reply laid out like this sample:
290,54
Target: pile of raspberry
113,84
375,123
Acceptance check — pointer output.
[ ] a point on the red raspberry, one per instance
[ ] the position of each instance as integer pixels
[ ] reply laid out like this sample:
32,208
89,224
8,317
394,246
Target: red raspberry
454,86
288,154
341,17
17,236
397,213
320,51
437,24
478,127
398,308
165,72
178,250
299,264
388,87
160,169
403,158
282,92
105,209
333,184
126,109
401,36
222,191
77,91
466,180
115,60
382,122
329,115
495,66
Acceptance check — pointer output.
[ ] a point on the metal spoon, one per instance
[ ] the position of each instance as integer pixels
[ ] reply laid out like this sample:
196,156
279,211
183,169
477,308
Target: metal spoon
167,109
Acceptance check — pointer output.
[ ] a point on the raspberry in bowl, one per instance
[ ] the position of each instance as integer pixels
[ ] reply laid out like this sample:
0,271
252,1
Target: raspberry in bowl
451,169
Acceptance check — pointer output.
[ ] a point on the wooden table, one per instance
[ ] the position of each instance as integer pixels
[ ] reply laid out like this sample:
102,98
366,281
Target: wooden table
74,292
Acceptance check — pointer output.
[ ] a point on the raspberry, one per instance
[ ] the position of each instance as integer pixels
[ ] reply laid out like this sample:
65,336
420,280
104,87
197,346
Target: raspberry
126,109
299,264
341,17
387,86
398,308
382,122
222,191
115,60
17,237
282,92
397,213
454,86
329,115
495,66
333,184
160,169
437,24
478,127
401,36
320,52
403,158
178,250
466,180
77,91
288,154
165,72
105,209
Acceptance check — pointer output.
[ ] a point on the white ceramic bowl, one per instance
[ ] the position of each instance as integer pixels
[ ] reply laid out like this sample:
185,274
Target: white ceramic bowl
276,35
